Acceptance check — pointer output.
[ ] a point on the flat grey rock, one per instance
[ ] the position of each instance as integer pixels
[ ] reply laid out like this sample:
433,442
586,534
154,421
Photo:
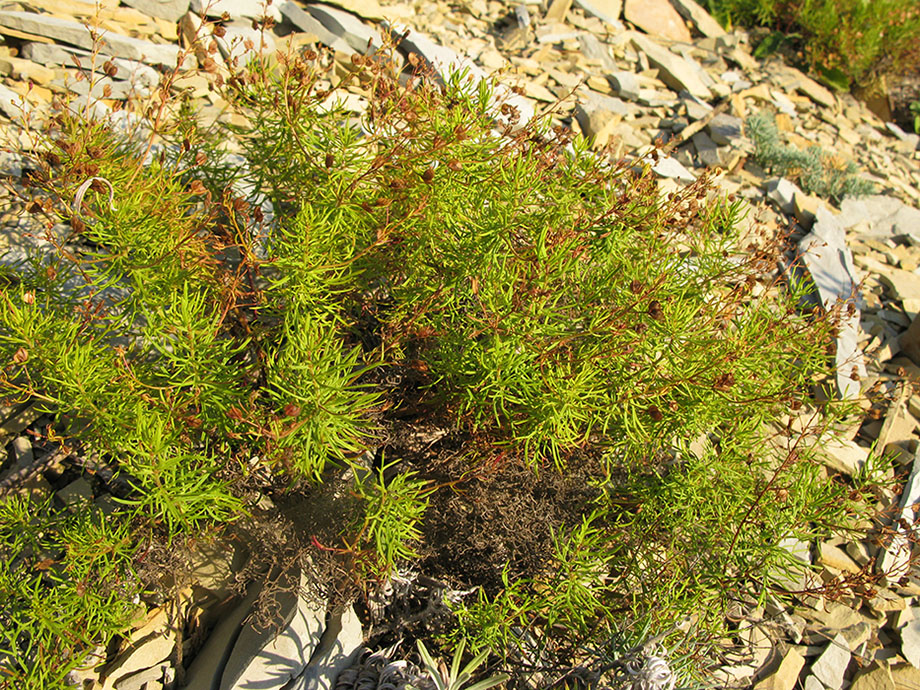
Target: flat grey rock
706,150
237,9
262,659
830,263
832,664
205,671
170,10
593,49
125,70
699,17
11,163
782,193
674,70
625,85
607,10
895,562
76,34
361,37
910,642
672,168
725,129
885,216
12,105
697,108
308,23
341,642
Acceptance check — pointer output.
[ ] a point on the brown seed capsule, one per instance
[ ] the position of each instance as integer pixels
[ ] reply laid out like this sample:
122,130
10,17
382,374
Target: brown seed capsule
655,311
428,175
455,165
28,298
724,382
655,413
635,286
110,69
291,410
330,160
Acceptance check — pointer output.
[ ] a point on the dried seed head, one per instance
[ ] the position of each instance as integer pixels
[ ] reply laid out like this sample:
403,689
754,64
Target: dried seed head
28,298
655,413
635,286
291,410
428,175
724,381
455,165
330,161
21,356
655,310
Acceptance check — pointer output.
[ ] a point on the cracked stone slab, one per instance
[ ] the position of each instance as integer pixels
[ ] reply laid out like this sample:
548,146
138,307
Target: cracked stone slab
895,561
675,71
270,658
348,27
77,34
827,258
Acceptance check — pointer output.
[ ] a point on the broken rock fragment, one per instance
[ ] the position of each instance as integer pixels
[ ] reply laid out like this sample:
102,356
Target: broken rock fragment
827,258
674,70
657,18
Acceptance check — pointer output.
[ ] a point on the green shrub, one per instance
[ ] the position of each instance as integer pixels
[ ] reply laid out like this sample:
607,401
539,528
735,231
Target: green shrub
66,585
849,43
817,171
547,308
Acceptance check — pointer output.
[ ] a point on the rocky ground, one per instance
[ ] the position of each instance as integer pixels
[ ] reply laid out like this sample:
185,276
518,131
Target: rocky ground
627,76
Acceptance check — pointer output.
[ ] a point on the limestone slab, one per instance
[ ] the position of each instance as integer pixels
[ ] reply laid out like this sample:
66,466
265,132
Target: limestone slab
786,676
657,18
674,70
607,10
77,34
237,9
830,667
699,17
308,23
170,10
340,643
357,34
263,658
829,262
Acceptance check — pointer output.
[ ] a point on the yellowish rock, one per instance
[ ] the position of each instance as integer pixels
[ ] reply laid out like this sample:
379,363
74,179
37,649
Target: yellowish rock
26,70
